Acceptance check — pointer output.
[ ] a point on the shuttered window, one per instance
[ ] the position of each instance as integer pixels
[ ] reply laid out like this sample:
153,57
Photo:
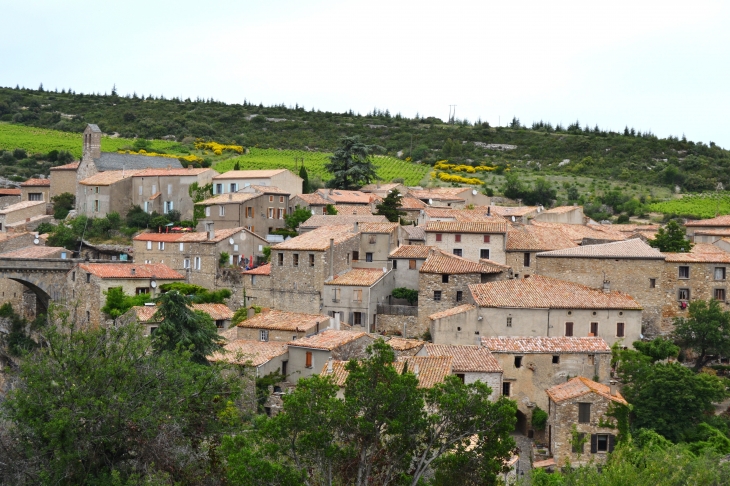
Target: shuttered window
308,360
568,328
584,413
620,329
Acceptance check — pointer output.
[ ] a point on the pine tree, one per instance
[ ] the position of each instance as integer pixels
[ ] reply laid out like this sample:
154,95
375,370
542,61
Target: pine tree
351,164
390,207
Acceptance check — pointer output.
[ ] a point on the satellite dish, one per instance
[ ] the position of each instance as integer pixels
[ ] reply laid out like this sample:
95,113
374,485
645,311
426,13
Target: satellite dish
36,241
513,219
231,240
153,284
474,192
430,201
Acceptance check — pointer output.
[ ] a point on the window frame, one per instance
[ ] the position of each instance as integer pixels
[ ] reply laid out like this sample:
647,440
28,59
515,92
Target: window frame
526,259
308,361
444,278
459,295
719,294
264,335
458,252
724,273
481,253
437,294
487,238
584,412
509,321
683,294
683,272
457,238
593,325
411,264
620,329
439,236
280,259
569,329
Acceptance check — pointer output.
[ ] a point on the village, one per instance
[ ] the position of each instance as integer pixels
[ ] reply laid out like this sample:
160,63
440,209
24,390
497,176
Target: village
526,299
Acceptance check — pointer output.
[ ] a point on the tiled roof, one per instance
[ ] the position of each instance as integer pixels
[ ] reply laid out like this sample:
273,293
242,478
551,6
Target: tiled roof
252,353
578,232
546,345
708,232
411,251
344,209
144,313
634,248
350,219
31,252
412,203
538,292
497,226
21,205
216,312
380,187
357,277
563,209
632,228
382,228
107,178
466,358
116,161
155,196
342,196
172,172
230,198
71,166
222,234
328,339
402,344
429,369
249,174
580,386
124,270
189,237
93,127
441,262
506,211
718,221
318,239
415,232
451,312
537,238
269,190
440,193
36,182
313,199
9,192
262,270
700,253
284,321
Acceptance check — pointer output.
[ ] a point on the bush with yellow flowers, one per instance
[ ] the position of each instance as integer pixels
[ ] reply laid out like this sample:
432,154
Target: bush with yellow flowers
217,148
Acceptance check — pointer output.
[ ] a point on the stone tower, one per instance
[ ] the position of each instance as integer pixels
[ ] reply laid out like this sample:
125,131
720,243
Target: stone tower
92,142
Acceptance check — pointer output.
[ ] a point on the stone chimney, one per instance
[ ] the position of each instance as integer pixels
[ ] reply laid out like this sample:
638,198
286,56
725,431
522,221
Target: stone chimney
251,312
209,228
329,364
613,387
134,271
606,286
489,210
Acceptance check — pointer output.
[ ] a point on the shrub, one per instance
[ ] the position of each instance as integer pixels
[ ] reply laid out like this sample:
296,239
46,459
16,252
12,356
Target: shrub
404,293
539,418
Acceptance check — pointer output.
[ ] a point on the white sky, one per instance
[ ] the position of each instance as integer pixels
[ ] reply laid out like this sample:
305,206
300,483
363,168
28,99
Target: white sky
662,66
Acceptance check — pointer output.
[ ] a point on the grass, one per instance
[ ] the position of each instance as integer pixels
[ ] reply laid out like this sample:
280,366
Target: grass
704,205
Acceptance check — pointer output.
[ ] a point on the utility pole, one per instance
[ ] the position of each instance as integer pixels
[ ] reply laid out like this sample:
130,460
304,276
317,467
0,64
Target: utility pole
452,113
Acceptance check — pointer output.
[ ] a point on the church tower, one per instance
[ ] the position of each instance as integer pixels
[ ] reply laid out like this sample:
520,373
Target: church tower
92,142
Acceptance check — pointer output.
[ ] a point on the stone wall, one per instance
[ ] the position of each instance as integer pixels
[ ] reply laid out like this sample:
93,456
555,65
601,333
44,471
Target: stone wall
62,181
430,282
45,191
394,325
471,245
13,216
516,260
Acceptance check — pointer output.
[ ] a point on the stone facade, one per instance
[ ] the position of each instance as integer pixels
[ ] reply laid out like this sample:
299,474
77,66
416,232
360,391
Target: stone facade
35,190
297,368
563,214
258,212
357,304
21,213
429,303
63,179
98,200
472,246
281,178
406,326
171,191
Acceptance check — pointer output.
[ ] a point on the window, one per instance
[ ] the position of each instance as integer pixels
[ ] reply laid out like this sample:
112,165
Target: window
96,206
308,360
207,211
271,198
518,361
652,283
219,188
484,253
88,277
249,212
395,264
186,263
168,206
720,295
459,295
160,245
355,256
620,332
509,322
141,290
594,328
568,328
169,189
295,259
486,238
96,189
505,388
591,359
411,264
35,196
271,213
457,251
601,443
280,213
149,245
438,236
281,199
140,190
336,296
368,257
221,210
683,294
197,263
526,259
357,318
556,359
437,295
357,295
154,189
445,278
182,246
584,413
311,259
719,273
234,187
683,271
457,238
263,335
280,258
73,276
578,446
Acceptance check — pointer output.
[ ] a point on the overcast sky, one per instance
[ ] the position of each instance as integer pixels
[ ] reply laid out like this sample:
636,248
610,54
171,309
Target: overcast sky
662,66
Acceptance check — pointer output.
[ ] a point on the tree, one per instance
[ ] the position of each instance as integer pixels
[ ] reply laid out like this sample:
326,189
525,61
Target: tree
200,295
351,165
62,204
181,328
671,239
513,187
296,218
138,218
91,405
63,236
331,210
410,295
117,302
706,331
306,187
390,206
198,194
541,193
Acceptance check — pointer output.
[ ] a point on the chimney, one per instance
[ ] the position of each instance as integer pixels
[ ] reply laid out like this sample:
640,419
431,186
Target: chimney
336,324
332,257
606,286
416,370
356,227
489,210
209,228
134,271
329,364
613,387
251,312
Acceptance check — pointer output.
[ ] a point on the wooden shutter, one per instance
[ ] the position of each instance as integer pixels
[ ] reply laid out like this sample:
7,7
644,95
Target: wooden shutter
594,443
568,328
308,364
611,442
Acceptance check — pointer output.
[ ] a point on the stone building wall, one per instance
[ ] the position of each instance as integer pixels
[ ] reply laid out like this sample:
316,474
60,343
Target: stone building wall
471,245
8,200
393,325
430,282
516,260
276,335
45,191
22,214
63,180
493,380
258,290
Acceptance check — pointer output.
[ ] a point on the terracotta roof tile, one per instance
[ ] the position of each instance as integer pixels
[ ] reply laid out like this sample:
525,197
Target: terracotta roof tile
251,353
312,199
21,205
108,177
415,232
71,166
381,228
451,312
31,252
466,358
216,312
430,370
439,261
357,277
700,253
191,237
328,339
284,321
345,209
411,251
269,189
341,196
506,211
380,187
318,239
402,344
538,292
9,192
497,226
249,174
718,221
546,345
708,232
537,238
634,248
338,219
124,270
409,202
563,209
578,232
580,386
440,193
230,198
36,182
261,270
172,172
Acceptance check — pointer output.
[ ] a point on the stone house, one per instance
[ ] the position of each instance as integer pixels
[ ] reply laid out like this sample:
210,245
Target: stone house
341,197
377,241
235,180
533,364
707,227
355,295
275,325
443,283
301,265
415,235
516,214
317,221
165,190
257,286
403,346
264,357
63,179
562,214
471,240
36,190
582,403
524,242
144,315
314,202
23,216
383,190
587,234
307,356
260,210
412,208
540,306
33,252
456,197
471,363
407,261
87,283
104,193
711,236
196,255
9,196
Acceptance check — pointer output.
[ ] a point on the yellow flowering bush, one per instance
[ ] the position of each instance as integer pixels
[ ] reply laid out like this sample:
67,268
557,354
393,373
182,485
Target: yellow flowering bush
459,179
217,148
444,165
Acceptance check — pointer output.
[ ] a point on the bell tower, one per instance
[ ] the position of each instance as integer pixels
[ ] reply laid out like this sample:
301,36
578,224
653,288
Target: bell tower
92,141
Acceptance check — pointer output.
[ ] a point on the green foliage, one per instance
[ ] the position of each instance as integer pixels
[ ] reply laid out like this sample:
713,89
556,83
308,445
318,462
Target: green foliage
158,222
267,253
539,418
18,340
540,193
671,239
198,294
351,165
262,387
62,204
658,349
64,236
117,302
306,187
294,219
223,258
138,218
703,205
390,207
706,331
331,209
410,295
197,194
242,313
